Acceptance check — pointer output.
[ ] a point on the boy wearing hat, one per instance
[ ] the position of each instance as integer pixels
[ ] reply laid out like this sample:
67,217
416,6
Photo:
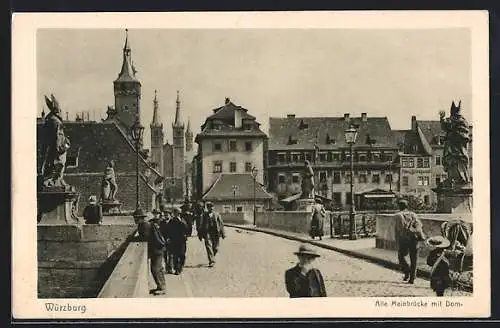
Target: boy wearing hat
211,229
92,214
303,280
408,233
440,272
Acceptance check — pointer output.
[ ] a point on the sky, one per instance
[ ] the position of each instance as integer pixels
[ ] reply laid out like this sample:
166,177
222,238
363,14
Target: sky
271,72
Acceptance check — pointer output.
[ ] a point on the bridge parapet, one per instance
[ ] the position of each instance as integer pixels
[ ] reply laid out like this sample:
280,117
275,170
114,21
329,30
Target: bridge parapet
129,278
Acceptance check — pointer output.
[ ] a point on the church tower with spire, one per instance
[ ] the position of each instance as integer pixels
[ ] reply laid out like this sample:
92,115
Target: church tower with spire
156,137
127,89
189,137
178,145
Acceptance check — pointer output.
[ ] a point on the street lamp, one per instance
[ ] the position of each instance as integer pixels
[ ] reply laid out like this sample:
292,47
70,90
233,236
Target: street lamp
254,174
136,132
350,137
235,189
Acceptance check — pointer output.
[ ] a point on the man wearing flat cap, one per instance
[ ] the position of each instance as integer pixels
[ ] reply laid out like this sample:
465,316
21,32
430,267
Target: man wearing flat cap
177,233
211,230
303,280
408,233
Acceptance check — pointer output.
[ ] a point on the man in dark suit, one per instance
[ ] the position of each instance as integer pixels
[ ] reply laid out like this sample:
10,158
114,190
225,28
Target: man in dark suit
211,230
156,248
92,214
177,233
303,280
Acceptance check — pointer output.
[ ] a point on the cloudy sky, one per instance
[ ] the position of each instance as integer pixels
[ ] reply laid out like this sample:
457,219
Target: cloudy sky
308,72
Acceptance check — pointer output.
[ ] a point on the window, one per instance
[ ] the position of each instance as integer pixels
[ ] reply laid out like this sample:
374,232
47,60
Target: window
420,162
347,157
361,157
426,162
322,176
72,161
376,178
295,157
362,177
388,158
329,157
239,208
336,156
232,145
295,177
281,178
216,126
423,181
438,160
247,126
248,167
217,146
411,162
232,167
217,166
226,209
426,199
404,162
248,146
376,156
388,178
438,180
348,177
322,157
348,200
308,157
337,198
426,181
336,177
405,181
281,158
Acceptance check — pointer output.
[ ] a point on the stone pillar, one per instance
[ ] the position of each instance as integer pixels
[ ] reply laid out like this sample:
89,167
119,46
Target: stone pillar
454,199
55,206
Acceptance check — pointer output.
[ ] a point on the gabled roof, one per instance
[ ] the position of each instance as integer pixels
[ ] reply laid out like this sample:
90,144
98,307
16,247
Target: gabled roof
304,132
222,188
226,112
431,130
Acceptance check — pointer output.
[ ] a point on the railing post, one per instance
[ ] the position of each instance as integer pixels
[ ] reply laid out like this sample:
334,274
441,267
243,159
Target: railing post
331,224
363,222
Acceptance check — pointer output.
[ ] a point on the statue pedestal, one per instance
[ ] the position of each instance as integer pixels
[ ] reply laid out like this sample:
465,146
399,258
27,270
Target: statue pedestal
55,205
111,206
305,204
454,199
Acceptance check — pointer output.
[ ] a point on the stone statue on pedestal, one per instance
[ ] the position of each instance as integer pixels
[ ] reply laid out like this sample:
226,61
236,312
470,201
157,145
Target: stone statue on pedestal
108,185
55,145
307,184
455,155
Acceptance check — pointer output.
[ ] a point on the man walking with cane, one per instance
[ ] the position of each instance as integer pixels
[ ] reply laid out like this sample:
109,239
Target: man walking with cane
211,230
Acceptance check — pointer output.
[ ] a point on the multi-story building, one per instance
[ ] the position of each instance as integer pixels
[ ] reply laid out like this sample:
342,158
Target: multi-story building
321,141
421,154
231,147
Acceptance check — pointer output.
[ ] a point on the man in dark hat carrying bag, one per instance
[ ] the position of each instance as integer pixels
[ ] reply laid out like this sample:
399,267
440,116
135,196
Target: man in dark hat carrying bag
303,280
408,233
211,230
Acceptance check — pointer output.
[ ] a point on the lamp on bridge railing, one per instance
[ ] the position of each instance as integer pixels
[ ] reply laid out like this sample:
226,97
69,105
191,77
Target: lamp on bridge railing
350,137
136,131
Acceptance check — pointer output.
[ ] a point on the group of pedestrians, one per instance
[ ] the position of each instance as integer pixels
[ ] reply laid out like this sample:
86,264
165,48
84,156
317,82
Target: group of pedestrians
168,234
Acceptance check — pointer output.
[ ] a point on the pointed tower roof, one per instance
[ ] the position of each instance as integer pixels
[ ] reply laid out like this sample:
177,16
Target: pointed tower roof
178,122
188,128
156,122
127,73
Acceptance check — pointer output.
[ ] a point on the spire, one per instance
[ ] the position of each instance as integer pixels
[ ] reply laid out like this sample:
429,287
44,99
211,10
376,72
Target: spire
188,128
177,121
156,118
127,72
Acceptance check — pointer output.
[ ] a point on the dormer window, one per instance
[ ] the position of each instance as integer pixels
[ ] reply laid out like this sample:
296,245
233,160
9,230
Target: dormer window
329,140
216,126
292,141
247,126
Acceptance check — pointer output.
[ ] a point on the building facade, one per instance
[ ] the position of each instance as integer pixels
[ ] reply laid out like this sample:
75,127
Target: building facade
321,141
230,142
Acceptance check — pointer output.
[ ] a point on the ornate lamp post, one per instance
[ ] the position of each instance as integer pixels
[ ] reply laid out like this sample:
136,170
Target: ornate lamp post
137,131
350,137
254,174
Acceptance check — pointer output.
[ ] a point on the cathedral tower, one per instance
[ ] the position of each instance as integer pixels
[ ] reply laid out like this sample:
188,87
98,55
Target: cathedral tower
156,138
189,137
127,89
178,145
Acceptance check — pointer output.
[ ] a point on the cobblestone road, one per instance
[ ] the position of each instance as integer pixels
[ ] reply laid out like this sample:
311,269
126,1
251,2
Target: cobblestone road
252,264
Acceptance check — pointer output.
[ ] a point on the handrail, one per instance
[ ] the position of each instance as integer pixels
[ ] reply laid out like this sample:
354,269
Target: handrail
129,279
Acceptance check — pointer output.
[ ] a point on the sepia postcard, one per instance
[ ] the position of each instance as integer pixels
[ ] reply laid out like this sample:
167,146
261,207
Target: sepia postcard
251,165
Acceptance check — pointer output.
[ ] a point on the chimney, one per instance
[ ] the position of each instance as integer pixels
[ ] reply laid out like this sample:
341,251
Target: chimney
227,101
67,117
414,123
238,118
363,117
346,117
290,116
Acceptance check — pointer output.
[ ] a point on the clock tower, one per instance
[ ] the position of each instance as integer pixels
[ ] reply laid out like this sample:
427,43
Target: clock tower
127,89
